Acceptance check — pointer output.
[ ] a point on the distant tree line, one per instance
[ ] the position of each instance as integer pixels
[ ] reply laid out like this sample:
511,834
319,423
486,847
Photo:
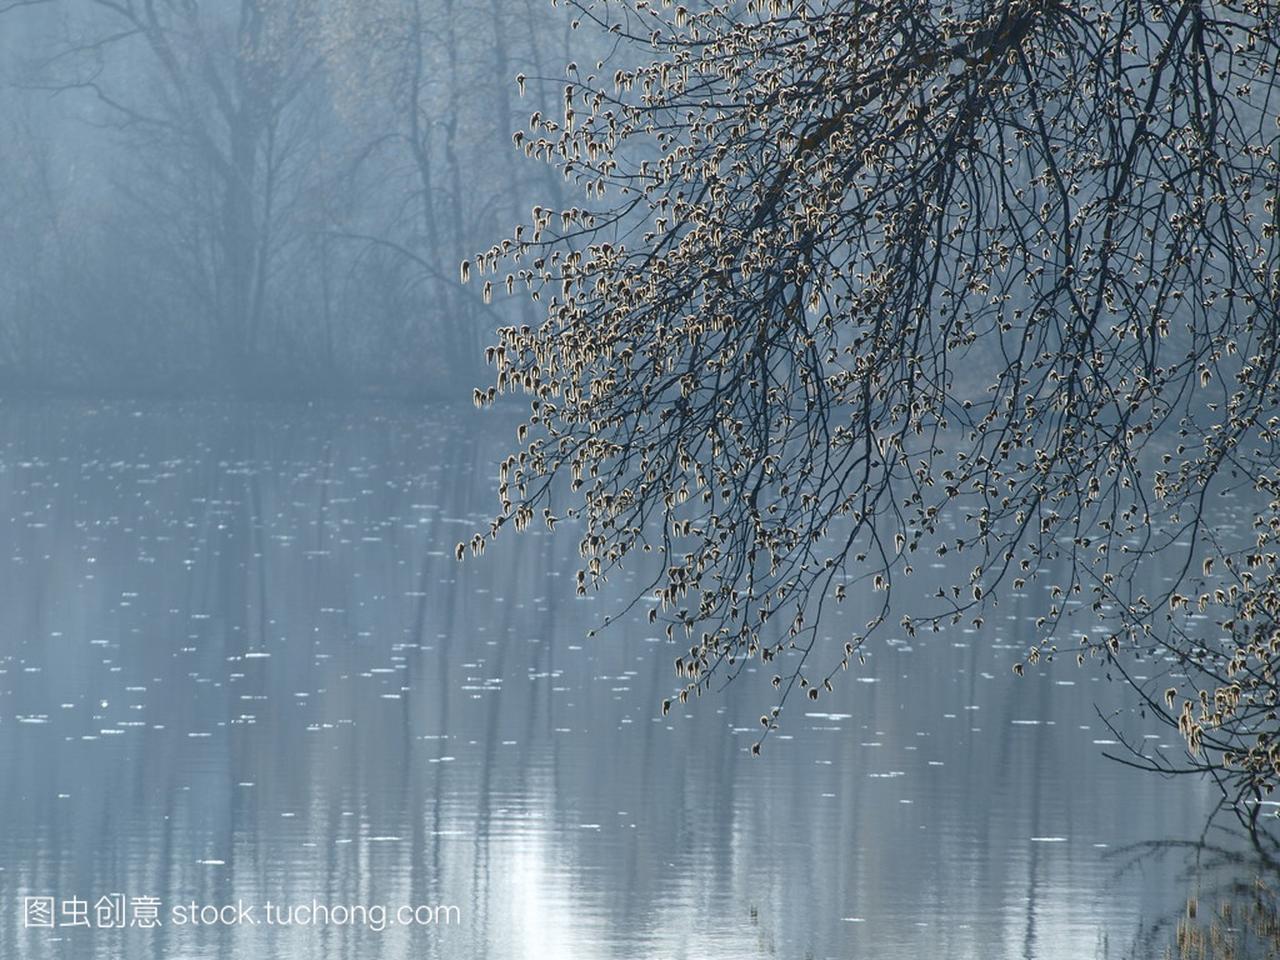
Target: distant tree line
257,196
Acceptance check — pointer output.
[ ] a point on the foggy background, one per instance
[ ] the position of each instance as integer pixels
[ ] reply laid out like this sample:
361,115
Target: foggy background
239,660
263,197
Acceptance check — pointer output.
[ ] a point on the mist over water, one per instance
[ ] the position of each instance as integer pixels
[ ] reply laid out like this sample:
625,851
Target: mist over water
239,663
253,708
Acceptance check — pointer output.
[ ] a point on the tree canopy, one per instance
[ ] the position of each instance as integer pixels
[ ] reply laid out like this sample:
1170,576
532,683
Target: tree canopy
850,284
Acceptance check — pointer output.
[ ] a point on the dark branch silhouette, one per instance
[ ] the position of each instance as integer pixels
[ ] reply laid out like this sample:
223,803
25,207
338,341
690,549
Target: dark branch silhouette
853,285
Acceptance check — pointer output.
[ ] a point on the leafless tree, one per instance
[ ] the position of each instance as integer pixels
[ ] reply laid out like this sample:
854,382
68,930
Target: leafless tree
848,284
221,130
1221,657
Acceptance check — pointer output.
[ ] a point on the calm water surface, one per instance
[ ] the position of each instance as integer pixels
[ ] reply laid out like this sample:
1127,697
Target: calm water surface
239,663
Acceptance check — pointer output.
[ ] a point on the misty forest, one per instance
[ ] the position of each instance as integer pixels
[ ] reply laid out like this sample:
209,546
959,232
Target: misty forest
261,199
639,478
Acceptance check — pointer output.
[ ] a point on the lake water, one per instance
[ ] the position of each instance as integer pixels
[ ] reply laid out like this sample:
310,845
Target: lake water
238,663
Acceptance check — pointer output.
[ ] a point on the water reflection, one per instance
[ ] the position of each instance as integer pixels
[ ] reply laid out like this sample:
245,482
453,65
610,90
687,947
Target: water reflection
1231,875
238,662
